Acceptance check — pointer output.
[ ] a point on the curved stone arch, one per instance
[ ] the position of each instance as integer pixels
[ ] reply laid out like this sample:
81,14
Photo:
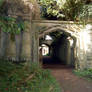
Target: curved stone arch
58,25
65,31
46,44
41,28
60,29
56,28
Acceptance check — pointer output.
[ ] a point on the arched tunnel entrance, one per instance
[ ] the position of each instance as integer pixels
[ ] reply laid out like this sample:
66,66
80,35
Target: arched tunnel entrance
58,48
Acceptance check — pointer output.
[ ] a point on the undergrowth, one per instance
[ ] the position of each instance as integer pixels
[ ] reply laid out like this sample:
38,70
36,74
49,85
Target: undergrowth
22,78
86,73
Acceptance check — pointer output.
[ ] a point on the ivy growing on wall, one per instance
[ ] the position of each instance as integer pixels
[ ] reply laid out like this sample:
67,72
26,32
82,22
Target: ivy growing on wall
13,14
10,25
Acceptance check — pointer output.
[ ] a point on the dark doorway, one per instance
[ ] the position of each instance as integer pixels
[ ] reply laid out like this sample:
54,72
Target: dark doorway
60,51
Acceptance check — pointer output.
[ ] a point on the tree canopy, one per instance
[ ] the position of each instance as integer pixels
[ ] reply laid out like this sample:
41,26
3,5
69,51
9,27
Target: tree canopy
62,9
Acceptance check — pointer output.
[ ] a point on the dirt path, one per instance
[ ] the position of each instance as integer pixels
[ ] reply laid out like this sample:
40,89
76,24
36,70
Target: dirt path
68,81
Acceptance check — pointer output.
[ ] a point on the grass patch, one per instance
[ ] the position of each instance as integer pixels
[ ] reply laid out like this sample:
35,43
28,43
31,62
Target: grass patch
22,78
86,73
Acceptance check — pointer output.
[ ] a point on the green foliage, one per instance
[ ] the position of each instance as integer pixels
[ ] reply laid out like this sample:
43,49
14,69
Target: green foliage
86,14
10,25
1,2
72,9
22,78
62,9
50,8
10,21
87,73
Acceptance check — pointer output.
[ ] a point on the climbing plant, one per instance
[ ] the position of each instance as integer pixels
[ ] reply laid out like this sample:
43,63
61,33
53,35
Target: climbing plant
13,13
10,25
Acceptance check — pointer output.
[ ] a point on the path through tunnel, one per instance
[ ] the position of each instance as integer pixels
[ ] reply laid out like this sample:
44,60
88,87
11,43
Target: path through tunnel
58,48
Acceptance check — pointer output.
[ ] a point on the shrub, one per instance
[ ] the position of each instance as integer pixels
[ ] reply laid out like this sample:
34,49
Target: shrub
87,73
62,9
22,78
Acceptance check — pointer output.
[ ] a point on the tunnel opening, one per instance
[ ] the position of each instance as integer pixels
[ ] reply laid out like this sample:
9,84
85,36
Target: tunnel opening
63,51
59,49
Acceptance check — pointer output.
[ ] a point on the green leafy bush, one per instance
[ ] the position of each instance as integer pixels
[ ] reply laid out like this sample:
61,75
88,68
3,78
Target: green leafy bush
62,9
11,25
22,78
87,73
14,15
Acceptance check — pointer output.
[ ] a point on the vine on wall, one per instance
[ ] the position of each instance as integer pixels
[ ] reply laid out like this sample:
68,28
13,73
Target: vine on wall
19,8
10,25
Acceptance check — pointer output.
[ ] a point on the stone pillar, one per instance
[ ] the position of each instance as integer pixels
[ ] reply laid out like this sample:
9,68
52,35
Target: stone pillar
88,44
18,43
81,63
34,43
3,44
68,53
73,52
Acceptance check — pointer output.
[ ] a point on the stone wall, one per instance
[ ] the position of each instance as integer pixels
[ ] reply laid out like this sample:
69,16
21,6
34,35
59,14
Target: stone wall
89,49
25,45
21,46
84,48
17,48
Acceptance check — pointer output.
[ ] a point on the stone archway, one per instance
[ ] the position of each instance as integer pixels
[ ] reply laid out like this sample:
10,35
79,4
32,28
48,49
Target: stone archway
70,55
30,40
40,28
75,30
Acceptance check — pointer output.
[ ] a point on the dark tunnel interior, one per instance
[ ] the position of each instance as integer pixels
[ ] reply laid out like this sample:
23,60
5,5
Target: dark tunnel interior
60,52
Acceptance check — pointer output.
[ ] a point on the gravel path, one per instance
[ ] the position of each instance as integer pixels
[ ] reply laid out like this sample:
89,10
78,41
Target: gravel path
68,81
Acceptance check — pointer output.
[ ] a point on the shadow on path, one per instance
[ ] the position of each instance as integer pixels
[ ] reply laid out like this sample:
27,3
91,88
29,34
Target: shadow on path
49,60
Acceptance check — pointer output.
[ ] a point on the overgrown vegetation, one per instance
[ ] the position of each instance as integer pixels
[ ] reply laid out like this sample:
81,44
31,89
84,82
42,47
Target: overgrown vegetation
11,25
62,9
14,14
86,73
22,78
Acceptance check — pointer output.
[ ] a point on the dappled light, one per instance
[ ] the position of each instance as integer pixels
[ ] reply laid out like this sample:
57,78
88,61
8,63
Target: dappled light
86,36
48,37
